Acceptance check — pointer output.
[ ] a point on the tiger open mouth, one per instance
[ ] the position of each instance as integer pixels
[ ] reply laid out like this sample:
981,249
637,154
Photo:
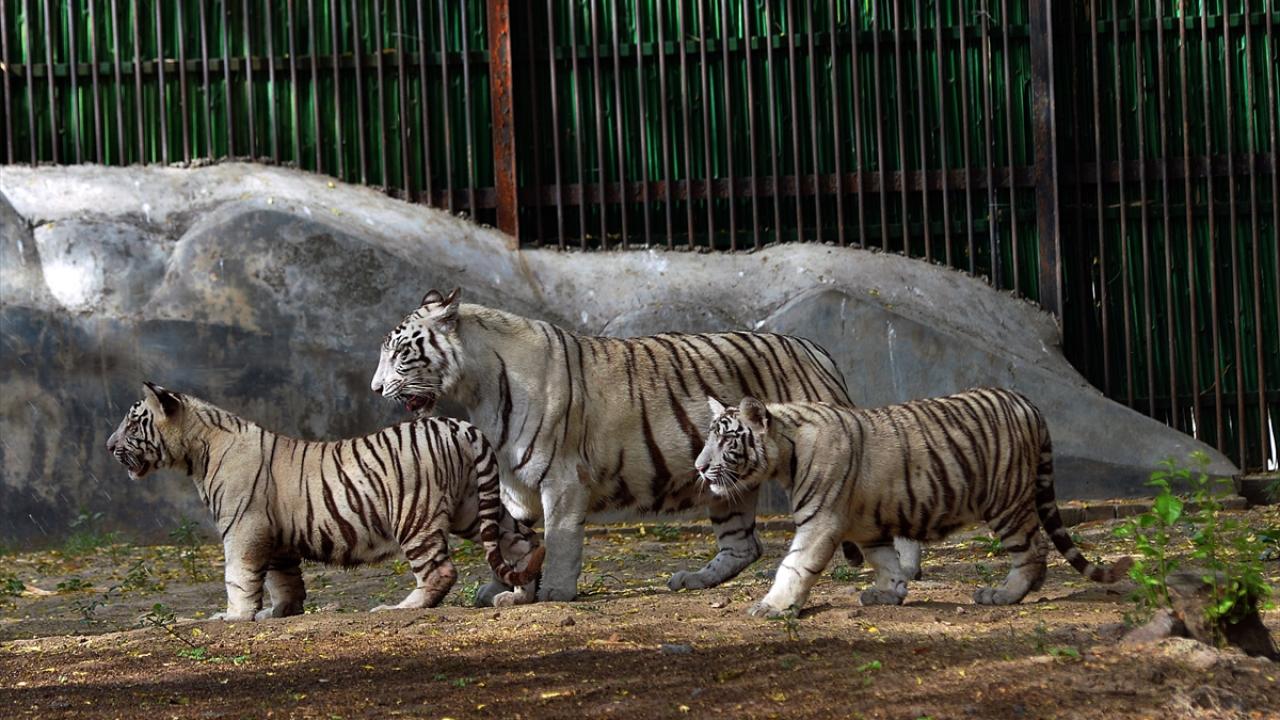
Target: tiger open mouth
137,467
420,404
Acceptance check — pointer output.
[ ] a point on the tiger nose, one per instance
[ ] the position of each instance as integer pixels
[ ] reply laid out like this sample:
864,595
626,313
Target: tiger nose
376,386
702,467
111,443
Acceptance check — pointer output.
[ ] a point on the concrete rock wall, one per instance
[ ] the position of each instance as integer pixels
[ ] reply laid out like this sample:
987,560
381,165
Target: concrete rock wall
267,291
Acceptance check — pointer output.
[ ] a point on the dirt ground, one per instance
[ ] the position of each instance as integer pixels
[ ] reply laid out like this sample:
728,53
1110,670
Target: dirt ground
86,639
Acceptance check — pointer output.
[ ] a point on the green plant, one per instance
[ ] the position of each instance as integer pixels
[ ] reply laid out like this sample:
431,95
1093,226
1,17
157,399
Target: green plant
186,537
990,544
11,586
1226,552
665,533
163,617
138,577
74,583
988,574
86,535
467,593
790,621
843,573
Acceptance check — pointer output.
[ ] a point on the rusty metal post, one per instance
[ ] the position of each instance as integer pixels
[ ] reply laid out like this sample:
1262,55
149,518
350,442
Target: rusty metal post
1043,121
504,126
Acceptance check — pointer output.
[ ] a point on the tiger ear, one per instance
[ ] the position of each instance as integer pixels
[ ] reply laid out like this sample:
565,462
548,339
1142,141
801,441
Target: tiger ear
433,297
169,404
717,407
755,414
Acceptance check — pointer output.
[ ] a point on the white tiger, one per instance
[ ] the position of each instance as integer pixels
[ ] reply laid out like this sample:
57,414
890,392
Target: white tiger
920,470
277,501
589,424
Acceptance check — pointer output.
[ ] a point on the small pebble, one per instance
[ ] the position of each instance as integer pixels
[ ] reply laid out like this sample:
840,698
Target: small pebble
960,610
568,622
856,613
676,649
717,604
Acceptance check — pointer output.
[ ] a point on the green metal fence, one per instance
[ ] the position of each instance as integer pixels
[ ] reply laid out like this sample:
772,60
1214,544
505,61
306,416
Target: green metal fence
1113,159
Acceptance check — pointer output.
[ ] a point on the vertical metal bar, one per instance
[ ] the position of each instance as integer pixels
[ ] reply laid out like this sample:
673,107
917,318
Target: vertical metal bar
993,222
381,131
335,50
97,98
28,62
73,65
707,169
226,77
49,76
602,168
1167,157
250,100
1124,203
684,108
357,56
295,129
204,71
942,134
668,175
1212,270
753,137
792,86
1008,134
1259,359
273,136
406,183
444,96
727,76
504,122
1272,110
884,173
861,164
1043,110
965,143
119,93
1193,327
9,115
313,52
617,117
1103,276
1141,94
837,132
466,110
917,17
813,124
162,106
423,104
900,132
554,75
773,125
1236,318
182,82
644,126
139,117
535,95
577,127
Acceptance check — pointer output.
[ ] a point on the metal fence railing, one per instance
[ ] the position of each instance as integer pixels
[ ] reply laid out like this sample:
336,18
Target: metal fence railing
1113,159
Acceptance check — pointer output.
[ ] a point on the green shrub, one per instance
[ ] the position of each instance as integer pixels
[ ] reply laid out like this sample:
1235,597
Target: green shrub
1226,551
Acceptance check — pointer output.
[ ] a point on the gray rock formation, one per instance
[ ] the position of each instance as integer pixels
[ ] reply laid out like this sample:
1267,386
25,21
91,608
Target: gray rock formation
267,291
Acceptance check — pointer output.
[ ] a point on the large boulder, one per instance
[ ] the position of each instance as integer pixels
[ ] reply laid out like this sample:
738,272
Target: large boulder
267,291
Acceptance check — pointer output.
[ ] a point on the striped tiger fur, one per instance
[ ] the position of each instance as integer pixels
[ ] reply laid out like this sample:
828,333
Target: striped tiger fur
920,470
585,425
277,500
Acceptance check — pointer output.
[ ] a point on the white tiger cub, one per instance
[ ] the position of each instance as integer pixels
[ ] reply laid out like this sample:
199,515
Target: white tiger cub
587,424
920,470
277,501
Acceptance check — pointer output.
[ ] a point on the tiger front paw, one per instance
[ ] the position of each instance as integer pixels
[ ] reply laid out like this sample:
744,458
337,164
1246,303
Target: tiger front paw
995,596
511,598
552,594
487,595
876,596
229,616
765,610
686,580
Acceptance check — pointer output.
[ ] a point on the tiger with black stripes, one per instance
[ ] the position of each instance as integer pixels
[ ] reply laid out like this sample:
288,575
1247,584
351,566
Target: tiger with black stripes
277,501
920,470
585,424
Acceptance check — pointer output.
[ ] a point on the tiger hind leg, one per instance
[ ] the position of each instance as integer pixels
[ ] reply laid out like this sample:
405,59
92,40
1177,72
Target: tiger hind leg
434,571
891,584
908,556
1019,531
516,541
288,592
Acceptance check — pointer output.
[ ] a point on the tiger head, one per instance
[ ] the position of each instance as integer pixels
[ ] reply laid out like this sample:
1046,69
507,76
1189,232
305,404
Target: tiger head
139,443
421,359
736,447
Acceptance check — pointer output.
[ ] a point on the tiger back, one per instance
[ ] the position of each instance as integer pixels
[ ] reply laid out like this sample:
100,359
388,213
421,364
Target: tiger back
920,470
278,500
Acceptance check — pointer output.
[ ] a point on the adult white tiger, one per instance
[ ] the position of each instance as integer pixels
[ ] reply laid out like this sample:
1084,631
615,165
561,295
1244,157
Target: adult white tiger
277,500
589,424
